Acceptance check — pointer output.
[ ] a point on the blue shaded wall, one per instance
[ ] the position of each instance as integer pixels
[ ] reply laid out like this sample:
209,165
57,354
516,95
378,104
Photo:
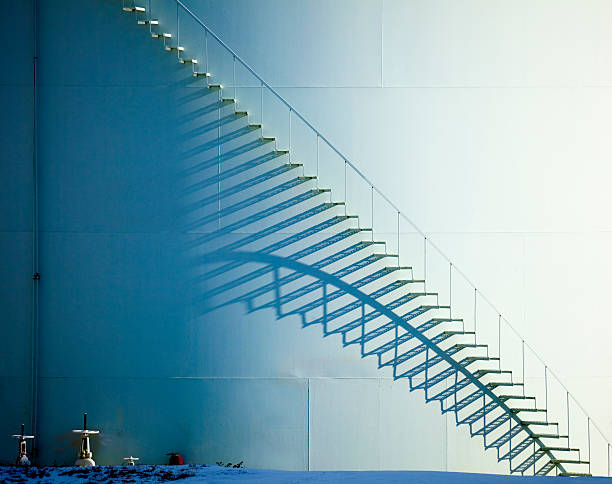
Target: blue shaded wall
122,330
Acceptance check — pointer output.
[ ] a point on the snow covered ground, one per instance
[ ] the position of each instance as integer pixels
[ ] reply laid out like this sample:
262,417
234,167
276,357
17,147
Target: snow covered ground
214,474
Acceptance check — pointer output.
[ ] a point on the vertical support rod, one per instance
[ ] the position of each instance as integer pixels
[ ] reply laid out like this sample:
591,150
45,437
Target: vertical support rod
589,440
395,351
475,296
325,307
523,360
234,80
261,102
277,296
362,330
450,289
372,202
484,420
510,444
178,35
345,198
546,390
608,453
398,239
206,53
317,160
290,111
568,417
499,342
425,267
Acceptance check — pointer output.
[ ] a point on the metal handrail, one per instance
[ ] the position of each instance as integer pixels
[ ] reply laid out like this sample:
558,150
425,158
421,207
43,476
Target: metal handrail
384,197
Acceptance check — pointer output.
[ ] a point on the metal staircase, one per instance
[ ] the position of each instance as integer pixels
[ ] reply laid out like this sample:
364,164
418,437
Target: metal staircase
278,241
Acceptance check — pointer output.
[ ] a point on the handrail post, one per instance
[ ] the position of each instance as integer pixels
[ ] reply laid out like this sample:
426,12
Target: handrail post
261,106
317,161
178,35
568,417
289,154
372,202
425,267
234,80
475,297
345,194
398,239
545,390
206,53
450,289
589,440
499,342
523,358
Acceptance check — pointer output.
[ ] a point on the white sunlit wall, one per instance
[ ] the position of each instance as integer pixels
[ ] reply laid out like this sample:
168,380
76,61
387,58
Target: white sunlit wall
484,123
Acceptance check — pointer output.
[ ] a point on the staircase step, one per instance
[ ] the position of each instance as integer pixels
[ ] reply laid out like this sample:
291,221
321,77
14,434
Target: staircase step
548,436
575,474
161,35
148,22
569,461
134,9
538,422
560,449
504,398
188,61
494,385
215,86
526,409
201,74
179,48
481,373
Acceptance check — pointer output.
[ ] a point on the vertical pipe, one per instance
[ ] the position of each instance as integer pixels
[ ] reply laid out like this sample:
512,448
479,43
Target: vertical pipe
261,101
608,459
35,234
178,35
290,140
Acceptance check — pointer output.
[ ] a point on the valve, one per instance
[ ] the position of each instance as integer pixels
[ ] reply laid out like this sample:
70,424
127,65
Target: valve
85,455
22,457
